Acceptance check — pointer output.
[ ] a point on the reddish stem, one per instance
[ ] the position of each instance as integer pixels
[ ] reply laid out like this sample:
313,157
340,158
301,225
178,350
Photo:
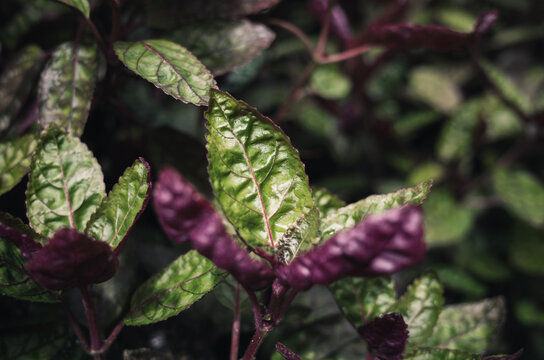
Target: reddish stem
235,339
324,34
96,341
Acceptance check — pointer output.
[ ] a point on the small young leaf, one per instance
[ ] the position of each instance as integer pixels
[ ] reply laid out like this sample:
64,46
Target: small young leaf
14,280
380,244
348,216
223,45
256,173
15,159
65,185
121,208
362,300
66,87
521,193
506,86
173,289
299,237
420,306
386,336
170,67
80,5
326,202
435,88
440,354
468,327
16,83
71,259
330,82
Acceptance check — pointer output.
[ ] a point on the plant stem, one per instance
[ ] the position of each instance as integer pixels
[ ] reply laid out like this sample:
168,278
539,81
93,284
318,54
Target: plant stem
96,341
113,335
345,55
235,339
324,34
75,327
114,27
256,342
97,35
293,94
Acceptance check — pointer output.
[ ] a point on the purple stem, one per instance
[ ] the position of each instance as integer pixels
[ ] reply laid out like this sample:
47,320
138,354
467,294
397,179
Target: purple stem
235,340
96,341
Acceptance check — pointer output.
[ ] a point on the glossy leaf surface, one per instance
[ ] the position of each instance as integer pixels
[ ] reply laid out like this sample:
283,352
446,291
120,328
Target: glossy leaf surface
440,354
16,82
71,259
173,289
521,193
362,300
223,45
15,160
65,185
120,209
14,280
468,327
326,202
168,66
299,237
348,216
255,172
66,87
81,5
420,306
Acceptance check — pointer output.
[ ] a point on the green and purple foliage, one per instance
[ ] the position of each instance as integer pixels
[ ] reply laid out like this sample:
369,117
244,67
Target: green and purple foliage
357,97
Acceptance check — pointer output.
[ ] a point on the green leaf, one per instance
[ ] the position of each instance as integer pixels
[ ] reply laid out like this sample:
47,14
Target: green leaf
81,5
42,343
15,159
420,306
255,172
468,327
170,67
440,354
65,184
522,193
456,136
348,216
362,300
16,83
330,82
66,87
445,221
117,212
14,281
173,289
299,237
326,202
456,279
223,45
435,88
526,250
506,86
21,227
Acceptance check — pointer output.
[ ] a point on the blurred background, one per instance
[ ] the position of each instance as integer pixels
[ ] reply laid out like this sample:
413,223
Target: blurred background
471,119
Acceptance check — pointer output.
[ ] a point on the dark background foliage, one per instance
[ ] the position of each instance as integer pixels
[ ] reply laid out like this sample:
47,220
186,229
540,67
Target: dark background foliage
472,119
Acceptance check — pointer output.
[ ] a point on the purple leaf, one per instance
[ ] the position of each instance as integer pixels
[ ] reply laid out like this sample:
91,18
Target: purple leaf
340,25
286,352
407,35
515,356
386,336
380,244
185,215
71,259
20,235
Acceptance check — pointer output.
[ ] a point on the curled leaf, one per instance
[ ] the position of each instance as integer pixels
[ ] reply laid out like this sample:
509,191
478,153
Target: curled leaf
379,245
407,35
70,260
186,216
386,336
